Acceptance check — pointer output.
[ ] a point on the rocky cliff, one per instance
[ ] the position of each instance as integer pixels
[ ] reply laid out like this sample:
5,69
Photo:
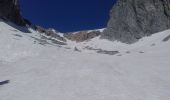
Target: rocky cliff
10,10
131,20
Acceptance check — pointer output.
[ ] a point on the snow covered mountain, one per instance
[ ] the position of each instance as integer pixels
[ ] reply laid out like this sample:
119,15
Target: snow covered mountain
36,69
44,64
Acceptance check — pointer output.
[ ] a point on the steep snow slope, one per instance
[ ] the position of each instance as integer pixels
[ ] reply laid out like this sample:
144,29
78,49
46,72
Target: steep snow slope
51,72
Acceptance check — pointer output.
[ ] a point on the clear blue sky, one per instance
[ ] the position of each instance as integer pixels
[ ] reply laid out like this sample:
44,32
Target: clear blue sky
67,15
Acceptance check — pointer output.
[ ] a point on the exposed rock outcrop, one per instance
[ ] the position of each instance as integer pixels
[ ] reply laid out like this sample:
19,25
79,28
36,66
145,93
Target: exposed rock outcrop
50,33
83,35
10,10
131,20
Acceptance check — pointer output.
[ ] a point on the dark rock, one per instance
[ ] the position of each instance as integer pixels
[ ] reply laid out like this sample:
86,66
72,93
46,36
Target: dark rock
40,41
4,82
107,52
91,48
17,35
141,52
10,10
128,52
40,29
166,38
53,33
27,22
101,51
153,44
76,49
119,55
82,35
131,20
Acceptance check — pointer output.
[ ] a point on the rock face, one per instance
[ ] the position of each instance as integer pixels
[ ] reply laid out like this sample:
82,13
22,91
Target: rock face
10,10
50,33
82,35
131,20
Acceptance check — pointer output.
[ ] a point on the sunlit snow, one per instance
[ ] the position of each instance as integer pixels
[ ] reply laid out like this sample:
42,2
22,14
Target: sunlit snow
141,71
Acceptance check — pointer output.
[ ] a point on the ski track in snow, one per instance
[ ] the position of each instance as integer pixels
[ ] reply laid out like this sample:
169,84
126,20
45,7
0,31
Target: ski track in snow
140,71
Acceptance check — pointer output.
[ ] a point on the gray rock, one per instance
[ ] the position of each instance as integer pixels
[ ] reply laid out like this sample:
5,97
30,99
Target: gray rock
131,20
107,52
4,82
101,51
10,10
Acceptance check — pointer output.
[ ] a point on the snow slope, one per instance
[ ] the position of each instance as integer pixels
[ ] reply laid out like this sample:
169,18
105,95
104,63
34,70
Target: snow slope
140,71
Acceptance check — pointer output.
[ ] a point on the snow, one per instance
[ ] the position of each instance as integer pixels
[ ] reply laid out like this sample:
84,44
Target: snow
38,72
88,31
142,44
100,30
59,33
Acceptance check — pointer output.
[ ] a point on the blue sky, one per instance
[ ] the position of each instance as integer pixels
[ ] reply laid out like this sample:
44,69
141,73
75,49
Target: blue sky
67,15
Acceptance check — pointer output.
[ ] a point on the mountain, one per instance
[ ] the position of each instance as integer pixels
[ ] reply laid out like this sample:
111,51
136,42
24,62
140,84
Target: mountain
38,69
43,64
131,20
